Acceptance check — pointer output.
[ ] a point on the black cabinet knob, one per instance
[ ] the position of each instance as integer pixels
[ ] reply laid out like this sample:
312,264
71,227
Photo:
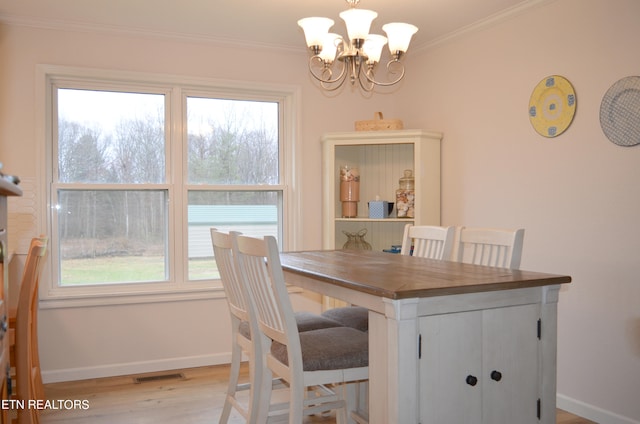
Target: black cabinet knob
472,380
496,375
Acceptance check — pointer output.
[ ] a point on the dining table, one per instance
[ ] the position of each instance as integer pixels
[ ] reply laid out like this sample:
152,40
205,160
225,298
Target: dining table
449,342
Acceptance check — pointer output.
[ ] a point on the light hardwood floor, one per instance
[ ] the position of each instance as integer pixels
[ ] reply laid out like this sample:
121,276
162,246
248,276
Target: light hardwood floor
196,398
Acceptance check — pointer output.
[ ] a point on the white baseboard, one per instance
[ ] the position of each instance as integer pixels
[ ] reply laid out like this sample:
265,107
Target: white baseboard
591,412
573,406
73,374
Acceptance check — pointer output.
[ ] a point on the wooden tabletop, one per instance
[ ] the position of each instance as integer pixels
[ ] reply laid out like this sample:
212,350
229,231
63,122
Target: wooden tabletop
397,276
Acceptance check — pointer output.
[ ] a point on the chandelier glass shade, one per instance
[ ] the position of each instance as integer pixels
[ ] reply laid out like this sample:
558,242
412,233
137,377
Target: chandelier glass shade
357,57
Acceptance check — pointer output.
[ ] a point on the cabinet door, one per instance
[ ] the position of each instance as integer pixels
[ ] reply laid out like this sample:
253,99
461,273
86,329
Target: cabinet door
510,365
480,366
451,358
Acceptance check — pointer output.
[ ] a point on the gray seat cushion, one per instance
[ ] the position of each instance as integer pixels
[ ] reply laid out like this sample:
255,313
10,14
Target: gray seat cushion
350,316
306,321
329,349
245,330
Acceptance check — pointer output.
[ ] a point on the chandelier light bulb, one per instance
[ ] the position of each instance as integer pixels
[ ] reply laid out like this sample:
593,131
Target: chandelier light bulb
372,48
399,36
330,45
315,29
358,23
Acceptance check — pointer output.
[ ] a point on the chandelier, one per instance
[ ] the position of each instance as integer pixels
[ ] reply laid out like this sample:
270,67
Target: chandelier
358,57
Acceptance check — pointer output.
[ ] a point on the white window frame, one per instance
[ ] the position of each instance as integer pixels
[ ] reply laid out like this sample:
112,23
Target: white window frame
176,88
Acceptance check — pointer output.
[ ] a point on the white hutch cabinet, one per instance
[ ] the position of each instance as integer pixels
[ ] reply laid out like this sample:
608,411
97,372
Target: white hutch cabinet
381,157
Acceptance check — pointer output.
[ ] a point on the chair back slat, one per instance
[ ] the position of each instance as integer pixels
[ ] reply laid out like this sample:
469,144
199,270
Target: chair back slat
259,265
258,277
427,248
223,254
491,247
428,241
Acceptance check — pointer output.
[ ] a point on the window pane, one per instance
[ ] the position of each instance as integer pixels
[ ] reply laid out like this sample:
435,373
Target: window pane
112,236
110,137
232,141
253,213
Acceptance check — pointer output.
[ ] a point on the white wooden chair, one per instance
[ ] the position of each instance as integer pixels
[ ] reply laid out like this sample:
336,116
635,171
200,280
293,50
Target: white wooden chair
490,246
240,331
243,325
304,360
428,241
23,333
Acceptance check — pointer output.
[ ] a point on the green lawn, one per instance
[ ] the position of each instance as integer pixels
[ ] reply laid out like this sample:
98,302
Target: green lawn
126,269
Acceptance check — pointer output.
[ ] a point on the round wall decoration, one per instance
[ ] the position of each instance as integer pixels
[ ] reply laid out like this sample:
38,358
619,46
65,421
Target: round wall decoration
552,106
620,112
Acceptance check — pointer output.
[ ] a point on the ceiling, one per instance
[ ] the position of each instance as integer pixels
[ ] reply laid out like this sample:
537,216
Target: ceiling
262,22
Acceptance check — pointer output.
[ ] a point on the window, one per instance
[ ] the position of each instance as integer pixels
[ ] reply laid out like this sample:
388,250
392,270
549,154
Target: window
233,165
141,170
110,212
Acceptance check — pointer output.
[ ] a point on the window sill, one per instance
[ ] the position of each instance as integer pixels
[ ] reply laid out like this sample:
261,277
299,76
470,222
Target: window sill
137,298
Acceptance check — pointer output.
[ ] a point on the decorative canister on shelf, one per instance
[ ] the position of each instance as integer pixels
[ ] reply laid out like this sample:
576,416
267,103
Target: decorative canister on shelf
405,196
356,241
349,190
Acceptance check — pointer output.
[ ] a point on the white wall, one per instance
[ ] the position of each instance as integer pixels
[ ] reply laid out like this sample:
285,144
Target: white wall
106,340
577,195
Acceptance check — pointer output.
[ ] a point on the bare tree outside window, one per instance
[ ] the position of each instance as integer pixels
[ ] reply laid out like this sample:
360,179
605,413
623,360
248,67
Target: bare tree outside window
105,139
231,143
113,188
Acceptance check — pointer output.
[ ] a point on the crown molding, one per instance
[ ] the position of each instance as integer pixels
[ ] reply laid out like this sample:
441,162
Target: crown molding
63,25
482,24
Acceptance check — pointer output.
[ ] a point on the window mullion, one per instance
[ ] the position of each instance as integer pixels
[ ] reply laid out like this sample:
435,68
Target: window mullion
176,147
236,187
